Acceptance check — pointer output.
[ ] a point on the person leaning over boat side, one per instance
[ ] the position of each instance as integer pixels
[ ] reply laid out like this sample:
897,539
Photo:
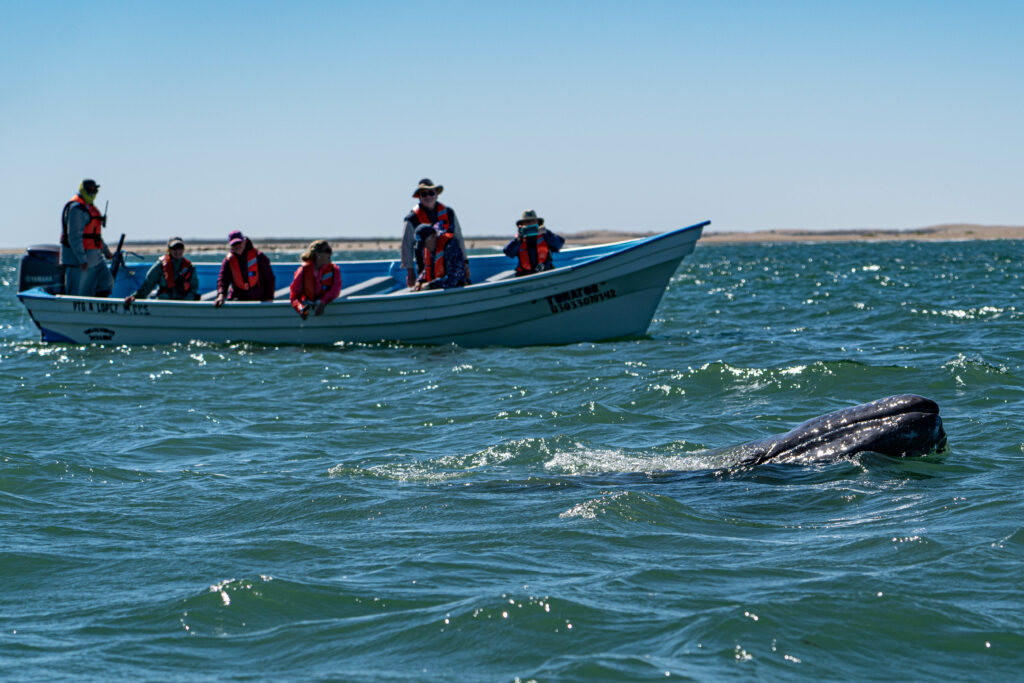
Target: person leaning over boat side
533,245
83,252
245,273
174,274
317,281
428,211
442,264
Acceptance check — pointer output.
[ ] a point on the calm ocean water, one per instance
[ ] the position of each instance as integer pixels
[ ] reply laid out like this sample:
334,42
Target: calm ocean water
391,512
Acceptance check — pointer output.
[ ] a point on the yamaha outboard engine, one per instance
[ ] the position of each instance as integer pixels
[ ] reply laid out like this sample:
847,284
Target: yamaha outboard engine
40,268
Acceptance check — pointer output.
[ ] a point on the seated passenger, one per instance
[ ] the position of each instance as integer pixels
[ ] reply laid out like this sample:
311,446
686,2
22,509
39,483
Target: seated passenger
317,281
533,245
245,274
439,259
172,273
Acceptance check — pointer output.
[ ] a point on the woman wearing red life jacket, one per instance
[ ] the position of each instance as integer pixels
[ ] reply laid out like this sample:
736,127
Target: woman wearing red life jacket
441,262
317,281
245,274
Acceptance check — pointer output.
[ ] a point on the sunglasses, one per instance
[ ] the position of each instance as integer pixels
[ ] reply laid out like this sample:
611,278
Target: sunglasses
427,193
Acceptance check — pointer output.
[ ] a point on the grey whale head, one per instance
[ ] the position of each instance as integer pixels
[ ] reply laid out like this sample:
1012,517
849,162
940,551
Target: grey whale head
906,425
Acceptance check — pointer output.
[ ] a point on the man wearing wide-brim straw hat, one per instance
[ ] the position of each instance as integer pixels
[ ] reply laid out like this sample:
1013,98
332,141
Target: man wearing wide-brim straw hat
533,245
429,211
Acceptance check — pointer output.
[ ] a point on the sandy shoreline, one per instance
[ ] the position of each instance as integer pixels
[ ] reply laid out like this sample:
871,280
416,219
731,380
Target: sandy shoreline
711,236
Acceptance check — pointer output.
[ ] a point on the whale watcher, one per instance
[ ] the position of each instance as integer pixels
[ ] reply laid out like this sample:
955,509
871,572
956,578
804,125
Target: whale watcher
317,281
83,253
430,211
245,273
533,245
173,276
440,259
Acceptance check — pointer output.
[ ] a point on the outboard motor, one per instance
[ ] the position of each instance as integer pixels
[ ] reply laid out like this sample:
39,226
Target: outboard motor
40,268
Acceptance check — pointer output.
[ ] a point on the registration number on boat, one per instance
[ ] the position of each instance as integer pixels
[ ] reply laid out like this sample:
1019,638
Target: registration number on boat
115,307
578,298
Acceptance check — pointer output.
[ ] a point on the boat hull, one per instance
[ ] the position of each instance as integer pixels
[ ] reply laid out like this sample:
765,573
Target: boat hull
614,295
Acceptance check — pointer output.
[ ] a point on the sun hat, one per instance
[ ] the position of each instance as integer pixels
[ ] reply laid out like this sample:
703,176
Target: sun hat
235,236
427,184
175,242
530,216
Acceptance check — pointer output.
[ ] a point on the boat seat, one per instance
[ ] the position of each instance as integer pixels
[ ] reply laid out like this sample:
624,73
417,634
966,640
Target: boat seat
503,275
375,285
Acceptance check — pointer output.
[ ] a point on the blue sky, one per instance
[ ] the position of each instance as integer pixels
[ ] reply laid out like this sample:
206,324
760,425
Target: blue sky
309,119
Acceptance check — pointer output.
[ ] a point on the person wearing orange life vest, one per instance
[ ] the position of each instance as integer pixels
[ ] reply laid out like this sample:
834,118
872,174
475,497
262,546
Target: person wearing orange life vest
245,274
173,276
317,281
429,211
83,252
441,262
533,245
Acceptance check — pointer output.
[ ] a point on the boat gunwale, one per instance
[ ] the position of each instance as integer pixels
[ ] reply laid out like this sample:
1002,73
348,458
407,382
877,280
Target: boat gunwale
40,293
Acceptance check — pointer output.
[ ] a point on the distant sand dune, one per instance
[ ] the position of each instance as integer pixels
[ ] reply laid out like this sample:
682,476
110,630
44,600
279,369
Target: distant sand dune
952,231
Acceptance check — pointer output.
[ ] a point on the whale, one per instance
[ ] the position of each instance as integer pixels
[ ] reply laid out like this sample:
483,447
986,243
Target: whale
901,426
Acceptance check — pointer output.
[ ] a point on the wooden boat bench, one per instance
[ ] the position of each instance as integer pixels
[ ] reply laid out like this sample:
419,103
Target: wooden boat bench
503,275
374,285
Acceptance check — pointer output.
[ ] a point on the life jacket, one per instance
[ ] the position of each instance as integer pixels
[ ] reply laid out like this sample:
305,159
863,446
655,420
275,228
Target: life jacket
442,216
433,263
526,265
252,270
91,238
316,284
176,287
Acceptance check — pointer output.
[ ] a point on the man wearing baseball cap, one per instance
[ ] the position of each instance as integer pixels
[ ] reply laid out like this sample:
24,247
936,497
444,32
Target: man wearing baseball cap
83,252
172,273
245,273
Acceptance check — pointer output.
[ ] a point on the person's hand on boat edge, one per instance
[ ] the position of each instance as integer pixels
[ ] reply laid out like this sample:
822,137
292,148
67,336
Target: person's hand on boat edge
307,306
129,300
218,302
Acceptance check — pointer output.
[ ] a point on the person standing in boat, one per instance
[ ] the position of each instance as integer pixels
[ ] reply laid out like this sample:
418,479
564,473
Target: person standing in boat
173,275
441,262
245,274
83,252
428,212
317,281
533,245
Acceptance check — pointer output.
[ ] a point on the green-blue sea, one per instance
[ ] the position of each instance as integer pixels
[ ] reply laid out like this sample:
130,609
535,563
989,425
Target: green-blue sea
386,512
